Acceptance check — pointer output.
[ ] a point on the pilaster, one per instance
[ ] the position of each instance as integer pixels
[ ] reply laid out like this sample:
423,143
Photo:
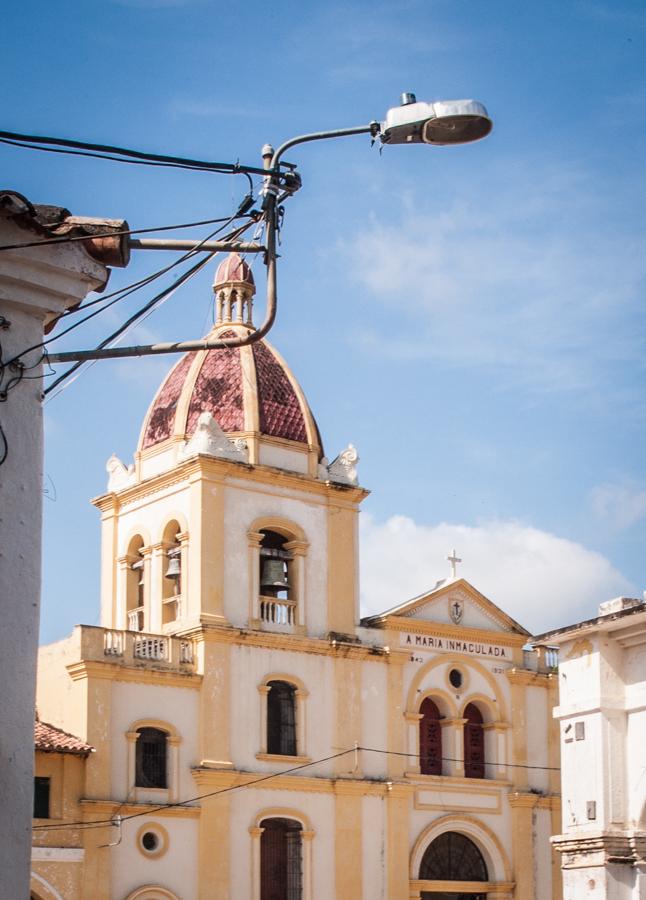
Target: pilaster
348,844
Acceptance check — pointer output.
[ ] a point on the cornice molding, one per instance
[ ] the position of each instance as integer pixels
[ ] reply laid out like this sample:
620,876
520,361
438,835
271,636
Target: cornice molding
83,669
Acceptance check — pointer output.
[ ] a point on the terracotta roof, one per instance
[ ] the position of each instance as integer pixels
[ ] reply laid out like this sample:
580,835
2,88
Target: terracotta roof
233,268
49,739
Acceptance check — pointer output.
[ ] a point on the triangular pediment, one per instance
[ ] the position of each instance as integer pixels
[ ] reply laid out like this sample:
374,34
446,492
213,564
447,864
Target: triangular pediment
453,602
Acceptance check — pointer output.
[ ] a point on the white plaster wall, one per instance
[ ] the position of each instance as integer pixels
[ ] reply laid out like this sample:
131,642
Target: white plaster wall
474,615
242,508
636,769
578,680
318,808
536,722
177,869
249,666
374,692
178,707
155,463
373,848
282,458
584,756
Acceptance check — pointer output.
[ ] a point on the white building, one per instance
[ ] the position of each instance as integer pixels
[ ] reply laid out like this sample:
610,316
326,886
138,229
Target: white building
258,740
602,716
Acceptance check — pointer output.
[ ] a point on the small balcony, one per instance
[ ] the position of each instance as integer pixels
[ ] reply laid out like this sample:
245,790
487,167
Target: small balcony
137,648
541,659
277,611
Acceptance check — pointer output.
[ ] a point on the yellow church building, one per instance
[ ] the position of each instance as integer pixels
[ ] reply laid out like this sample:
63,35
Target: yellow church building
246,735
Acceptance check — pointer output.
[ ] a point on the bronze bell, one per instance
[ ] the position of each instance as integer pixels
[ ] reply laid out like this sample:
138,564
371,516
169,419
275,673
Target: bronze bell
274,575
174,569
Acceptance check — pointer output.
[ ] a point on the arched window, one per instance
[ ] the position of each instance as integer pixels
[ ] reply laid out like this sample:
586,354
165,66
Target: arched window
277,591
172,572
151,758
281,718
135,585
430,739
474,745
453,857
281,860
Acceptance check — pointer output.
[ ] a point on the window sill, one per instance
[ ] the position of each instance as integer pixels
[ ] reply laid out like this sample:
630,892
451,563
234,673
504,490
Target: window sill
279,757
458,780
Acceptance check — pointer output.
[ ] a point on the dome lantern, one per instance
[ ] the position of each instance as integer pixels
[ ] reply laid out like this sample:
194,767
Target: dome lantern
234,288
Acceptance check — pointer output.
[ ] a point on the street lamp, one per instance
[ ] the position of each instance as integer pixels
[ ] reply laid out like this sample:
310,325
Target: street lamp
440,123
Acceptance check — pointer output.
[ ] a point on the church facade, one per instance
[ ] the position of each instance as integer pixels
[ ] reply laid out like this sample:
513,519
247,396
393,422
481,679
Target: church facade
252,736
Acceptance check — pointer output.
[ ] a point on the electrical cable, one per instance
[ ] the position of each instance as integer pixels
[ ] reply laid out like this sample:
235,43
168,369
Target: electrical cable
65,239
506,765
162,295
180,803
131,156
160,298
129,289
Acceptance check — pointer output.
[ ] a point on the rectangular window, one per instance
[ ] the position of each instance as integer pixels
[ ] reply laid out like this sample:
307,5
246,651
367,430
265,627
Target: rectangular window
41,798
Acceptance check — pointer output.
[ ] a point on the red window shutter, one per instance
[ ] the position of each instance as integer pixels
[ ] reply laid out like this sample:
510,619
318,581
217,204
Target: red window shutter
430,739
474,749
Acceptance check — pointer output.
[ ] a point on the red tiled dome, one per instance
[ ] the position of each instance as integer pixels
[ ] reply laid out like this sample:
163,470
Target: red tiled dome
231,269
247,390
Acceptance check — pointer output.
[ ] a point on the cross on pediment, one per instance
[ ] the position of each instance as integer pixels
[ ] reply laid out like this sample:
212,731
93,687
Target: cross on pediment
453,560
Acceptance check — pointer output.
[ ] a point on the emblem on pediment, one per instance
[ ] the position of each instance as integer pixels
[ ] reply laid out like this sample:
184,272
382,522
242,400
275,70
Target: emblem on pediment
456,609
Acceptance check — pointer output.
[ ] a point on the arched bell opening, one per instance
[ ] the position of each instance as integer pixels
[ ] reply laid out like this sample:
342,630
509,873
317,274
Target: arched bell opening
135,584
172,572
277,588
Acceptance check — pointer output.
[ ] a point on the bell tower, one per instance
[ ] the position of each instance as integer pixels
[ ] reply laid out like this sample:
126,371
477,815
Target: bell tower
230,514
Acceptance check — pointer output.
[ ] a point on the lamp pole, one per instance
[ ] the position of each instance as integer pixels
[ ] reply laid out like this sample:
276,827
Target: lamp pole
442,123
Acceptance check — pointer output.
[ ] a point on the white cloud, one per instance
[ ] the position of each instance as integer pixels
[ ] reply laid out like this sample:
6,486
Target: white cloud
541,580
620,504
541,287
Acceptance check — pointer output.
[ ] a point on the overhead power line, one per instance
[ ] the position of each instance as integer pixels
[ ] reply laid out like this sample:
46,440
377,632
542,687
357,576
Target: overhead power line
123,154
249,784
180,803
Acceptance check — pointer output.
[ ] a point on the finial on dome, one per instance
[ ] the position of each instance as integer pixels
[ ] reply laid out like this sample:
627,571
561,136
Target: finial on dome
234,288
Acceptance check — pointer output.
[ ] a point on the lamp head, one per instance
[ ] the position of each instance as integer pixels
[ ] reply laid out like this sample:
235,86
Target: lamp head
443,123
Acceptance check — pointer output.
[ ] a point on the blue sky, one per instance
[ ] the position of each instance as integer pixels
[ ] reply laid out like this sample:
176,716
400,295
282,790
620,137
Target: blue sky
471,318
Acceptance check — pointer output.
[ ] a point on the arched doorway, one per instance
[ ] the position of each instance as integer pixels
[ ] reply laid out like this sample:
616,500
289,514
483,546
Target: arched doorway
281,860
453,857
474,747
430,739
